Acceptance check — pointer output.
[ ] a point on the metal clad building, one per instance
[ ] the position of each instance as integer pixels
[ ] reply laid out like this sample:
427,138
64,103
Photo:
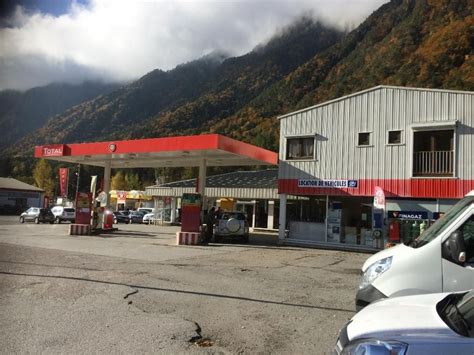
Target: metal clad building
336,125
254,192
415,145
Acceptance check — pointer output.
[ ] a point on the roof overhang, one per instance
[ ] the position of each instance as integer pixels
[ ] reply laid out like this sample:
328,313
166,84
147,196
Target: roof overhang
183,151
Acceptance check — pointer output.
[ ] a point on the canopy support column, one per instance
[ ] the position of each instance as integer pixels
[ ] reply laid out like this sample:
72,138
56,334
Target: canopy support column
282,226
173,210
202,182
107,173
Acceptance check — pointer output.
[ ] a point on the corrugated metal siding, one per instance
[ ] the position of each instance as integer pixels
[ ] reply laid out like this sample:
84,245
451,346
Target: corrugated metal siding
337,124
257,193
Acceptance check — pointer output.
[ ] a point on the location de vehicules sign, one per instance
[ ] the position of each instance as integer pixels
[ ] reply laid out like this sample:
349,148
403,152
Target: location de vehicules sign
316,183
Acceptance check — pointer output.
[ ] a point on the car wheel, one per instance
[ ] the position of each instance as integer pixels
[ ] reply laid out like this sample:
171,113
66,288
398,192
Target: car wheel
37,220
51,222
217,238
22,220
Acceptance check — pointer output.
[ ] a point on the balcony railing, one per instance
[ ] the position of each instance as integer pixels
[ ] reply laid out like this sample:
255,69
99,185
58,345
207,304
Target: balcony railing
437,163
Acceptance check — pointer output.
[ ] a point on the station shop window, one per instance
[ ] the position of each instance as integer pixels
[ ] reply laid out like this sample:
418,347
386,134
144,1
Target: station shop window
363,139
301,148
307,209
395,137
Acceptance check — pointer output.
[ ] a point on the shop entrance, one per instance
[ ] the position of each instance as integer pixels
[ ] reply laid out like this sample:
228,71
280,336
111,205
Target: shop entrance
356,220
247,208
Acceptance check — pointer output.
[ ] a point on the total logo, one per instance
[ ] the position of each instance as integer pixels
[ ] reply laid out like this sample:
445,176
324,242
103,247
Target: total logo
53,151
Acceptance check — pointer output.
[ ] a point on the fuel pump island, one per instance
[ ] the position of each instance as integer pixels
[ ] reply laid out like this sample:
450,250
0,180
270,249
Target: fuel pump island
181,151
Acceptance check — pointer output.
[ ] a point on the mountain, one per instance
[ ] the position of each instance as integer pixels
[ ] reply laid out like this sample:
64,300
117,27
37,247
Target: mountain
23,112
209,89
421,43
418,43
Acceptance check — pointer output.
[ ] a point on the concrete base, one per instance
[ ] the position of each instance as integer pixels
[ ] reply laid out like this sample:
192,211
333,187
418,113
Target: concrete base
188,238
79,229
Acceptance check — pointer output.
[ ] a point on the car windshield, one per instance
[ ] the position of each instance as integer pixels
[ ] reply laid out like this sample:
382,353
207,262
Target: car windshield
432,232
69,209
457,310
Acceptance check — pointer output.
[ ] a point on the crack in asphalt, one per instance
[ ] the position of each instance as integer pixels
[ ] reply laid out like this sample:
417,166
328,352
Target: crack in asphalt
194,293
129,294
48,265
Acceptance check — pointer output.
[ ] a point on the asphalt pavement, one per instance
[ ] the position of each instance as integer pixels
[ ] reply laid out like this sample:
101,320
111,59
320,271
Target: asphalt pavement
135,291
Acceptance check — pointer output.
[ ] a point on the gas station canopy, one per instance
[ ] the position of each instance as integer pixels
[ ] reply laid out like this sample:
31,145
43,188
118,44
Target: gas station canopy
183,151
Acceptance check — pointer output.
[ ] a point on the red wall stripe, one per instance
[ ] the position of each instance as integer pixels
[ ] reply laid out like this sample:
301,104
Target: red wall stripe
419,188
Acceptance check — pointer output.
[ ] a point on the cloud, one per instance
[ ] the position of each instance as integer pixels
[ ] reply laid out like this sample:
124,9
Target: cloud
121,40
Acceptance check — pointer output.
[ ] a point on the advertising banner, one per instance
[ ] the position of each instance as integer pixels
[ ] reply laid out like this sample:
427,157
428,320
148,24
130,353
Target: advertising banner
63,181
93,184
379,198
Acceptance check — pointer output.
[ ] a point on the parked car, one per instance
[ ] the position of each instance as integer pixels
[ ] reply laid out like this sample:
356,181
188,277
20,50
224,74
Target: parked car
148,218
121,217
146,209
64,214
136,216
37,215
232,225
437,323
439,260
162,214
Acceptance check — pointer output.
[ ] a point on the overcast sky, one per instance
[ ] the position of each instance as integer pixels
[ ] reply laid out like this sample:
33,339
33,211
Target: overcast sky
116,40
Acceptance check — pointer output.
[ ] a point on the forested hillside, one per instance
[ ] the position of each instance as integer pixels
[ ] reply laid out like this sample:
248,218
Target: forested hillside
416,43
23,112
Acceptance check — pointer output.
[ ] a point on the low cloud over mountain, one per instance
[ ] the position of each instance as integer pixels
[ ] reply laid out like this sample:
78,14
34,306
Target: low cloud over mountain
122,40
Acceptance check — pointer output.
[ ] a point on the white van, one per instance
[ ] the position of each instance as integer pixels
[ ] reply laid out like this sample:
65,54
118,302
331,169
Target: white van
439,260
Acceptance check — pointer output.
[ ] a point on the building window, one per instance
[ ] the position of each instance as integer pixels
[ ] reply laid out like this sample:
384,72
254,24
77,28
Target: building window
433,153
364,139
300,148
394,137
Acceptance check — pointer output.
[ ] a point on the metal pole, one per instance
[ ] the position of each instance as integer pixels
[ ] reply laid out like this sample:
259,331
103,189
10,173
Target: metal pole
78,177
282,223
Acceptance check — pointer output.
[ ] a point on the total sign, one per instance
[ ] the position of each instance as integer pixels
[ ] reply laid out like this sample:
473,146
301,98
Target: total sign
53,150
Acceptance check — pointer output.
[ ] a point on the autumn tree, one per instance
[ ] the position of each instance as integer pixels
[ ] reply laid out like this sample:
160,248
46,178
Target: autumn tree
133,181
42,175
119,182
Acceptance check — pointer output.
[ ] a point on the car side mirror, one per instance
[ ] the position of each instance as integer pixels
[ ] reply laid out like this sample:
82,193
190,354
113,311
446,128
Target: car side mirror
454,248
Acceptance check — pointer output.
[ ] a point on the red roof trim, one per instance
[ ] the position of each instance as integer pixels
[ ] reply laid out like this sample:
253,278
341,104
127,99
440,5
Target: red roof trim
167,144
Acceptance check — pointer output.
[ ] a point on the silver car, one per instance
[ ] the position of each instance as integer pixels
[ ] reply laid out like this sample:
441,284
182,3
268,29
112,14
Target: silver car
232,225
61,214
37,215
30,215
